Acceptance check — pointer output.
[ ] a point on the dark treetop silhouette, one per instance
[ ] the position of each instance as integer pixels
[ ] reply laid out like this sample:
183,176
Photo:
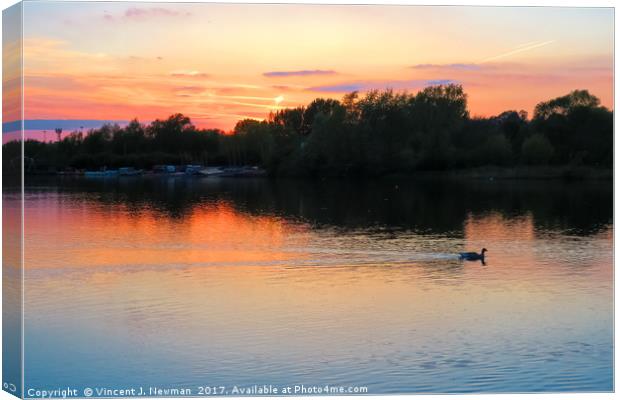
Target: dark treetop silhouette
380,133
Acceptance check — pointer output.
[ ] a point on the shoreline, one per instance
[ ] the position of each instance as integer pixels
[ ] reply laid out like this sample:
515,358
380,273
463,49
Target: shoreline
517,173
478,173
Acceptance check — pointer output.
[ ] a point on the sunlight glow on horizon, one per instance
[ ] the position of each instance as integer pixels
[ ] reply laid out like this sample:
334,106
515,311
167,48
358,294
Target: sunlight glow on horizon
218,63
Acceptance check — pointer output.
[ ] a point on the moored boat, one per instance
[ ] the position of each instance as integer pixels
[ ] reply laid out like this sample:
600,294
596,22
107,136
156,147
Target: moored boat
129,171
99,174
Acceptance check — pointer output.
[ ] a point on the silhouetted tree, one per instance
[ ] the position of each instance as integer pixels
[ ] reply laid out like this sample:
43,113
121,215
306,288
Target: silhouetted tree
537,150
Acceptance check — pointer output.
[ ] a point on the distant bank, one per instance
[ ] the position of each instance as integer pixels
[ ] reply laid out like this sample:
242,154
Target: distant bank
376,135
480,173
519,172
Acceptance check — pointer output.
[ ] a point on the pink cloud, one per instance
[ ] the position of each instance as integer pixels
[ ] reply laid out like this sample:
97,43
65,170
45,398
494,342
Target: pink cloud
189,74
144,13
135,12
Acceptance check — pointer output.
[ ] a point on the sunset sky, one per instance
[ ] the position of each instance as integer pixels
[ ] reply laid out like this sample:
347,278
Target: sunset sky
219,63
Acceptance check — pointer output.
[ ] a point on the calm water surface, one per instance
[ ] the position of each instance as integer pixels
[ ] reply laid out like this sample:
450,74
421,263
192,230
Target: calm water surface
191,282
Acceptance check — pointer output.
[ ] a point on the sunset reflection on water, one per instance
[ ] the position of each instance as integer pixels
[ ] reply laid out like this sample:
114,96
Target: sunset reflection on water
237,284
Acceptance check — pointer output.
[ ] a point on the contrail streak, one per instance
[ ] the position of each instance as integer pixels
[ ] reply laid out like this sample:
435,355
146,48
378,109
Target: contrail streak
519,50
526,44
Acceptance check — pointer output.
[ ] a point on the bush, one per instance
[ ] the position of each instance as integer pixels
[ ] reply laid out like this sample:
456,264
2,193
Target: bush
537,150
496,150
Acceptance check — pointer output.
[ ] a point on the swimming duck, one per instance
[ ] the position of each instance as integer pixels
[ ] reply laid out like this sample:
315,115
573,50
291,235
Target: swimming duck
473,256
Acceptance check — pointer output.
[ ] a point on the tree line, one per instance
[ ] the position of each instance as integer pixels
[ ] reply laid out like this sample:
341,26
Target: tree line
375,134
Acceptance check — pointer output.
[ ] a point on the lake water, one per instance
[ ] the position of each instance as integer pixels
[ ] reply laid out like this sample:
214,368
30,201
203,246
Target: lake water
182,283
